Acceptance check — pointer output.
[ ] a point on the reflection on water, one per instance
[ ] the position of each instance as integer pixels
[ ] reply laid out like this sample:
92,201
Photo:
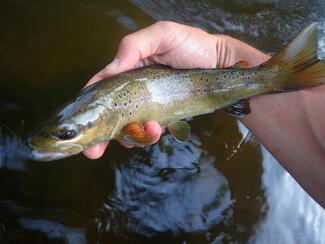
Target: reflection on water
293,216
13,151
49,222
124,20
170,188
54,230
321,40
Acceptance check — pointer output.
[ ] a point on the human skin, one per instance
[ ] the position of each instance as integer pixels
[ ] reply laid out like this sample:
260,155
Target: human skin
290,125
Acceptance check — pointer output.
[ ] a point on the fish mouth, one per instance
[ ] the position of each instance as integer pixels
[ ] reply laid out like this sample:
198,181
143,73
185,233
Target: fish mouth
39,155
44,155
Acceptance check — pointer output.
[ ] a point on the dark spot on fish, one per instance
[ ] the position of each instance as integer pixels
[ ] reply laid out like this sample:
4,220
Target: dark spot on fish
248,77
206,80
136,106
237,76
90,124
130,113
201,78
134,93
217,78
124,94
125,104
224,76
199,90
205,90
119,96
130,101
115,104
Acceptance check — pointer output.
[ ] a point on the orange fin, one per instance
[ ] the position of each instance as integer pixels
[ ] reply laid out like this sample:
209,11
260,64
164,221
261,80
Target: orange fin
241,64
135,135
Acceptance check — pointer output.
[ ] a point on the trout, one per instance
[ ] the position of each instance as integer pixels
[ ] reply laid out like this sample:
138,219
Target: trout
116,108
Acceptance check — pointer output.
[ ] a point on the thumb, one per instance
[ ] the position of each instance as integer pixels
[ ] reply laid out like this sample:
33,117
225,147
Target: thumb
135,49
123,61
110,70
128,57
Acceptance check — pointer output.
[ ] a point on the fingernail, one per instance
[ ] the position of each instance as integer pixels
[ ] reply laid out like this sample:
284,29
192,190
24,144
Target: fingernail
113,65
139,64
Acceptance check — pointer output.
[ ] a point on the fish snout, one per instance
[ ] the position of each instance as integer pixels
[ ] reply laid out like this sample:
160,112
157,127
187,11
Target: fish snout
36,139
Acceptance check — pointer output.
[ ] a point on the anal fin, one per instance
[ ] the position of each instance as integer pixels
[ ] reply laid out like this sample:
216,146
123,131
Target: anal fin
238,109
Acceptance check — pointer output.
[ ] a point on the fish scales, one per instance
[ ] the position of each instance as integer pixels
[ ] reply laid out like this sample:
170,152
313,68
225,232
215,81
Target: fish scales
166,95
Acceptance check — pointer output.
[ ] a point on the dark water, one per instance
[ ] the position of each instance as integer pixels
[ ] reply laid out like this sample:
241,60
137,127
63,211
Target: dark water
219,187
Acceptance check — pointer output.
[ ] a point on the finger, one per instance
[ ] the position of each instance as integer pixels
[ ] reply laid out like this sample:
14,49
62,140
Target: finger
236,50
154,129
96,151
104,73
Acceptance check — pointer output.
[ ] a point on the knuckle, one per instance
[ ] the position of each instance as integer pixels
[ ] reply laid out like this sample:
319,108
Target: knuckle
126,40
166,24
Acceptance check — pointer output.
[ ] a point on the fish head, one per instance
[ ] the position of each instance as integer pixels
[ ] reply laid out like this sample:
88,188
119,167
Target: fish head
53,142
70,133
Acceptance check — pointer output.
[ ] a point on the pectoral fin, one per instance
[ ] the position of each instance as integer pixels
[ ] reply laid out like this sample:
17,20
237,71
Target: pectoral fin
135,135
180,130
239,109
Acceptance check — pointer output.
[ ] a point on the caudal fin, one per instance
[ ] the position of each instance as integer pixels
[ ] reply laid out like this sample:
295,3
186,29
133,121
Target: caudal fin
298,62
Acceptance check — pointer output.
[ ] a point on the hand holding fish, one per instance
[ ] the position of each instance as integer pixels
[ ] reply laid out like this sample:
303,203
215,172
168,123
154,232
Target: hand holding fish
289,124
178,46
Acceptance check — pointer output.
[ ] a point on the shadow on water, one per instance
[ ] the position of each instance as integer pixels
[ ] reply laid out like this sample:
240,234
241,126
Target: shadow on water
169,188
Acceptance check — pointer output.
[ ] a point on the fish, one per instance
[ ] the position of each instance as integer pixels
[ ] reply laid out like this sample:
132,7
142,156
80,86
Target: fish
117,107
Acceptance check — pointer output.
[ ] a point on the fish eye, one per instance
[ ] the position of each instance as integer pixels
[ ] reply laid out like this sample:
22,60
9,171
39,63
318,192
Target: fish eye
66,133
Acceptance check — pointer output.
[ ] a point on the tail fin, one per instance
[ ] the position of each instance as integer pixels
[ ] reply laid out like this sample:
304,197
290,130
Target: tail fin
298,62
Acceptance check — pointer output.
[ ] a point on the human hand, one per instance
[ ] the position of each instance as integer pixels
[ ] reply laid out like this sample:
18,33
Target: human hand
178,46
